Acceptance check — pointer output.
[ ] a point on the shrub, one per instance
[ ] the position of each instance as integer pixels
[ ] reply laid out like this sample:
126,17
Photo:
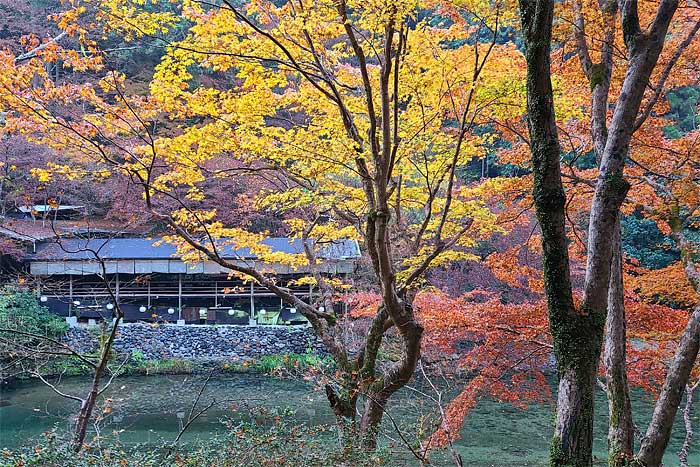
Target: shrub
285,363
264,438
20,309
139,364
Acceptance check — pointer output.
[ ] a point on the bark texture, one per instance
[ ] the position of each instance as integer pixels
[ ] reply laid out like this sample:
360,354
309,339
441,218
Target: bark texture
620,425
688,423
659,431
576,353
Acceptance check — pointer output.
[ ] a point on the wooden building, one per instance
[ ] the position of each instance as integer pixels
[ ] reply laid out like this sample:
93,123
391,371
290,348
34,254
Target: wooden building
152,283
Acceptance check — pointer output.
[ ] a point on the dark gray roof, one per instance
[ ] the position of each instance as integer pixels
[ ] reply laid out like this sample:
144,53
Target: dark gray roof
76,249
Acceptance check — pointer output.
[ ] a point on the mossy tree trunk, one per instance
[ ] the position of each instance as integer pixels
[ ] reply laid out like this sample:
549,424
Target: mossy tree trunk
621,427
396,376
611,145
578,333
365,383
577,336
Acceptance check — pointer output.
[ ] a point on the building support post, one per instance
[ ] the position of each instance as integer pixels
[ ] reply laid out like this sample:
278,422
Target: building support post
70,295
179,296
251,319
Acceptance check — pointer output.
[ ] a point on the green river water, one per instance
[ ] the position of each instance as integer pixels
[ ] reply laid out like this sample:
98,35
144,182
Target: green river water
152,408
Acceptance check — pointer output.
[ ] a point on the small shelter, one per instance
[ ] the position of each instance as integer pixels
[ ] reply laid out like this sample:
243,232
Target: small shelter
83,278
50,211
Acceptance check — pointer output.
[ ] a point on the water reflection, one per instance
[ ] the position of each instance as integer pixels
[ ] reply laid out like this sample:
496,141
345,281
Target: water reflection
141,407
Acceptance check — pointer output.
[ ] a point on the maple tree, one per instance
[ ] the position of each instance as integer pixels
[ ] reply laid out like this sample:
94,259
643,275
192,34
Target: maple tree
351,120
508,358
510,345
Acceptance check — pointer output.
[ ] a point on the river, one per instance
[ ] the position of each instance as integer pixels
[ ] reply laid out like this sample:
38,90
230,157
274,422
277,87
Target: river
152,408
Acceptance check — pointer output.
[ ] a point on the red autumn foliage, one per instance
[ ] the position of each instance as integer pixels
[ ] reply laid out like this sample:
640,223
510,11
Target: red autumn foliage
503,350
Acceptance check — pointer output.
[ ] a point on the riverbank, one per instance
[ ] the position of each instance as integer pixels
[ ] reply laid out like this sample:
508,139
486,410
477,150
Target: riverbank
135,364
146,349
285,421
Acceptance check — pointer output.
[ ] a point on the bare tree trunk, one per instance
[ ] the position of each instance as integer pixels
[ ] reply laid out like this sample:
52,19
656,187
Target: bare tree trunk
621,426
395,377
659,431
85,413
344,408
688,422
88,404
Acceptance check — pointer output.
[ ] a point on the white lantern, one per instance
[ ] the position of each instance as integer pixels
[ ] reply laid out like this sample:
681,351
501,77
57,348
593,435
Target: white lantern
110,306
171,311
262,312
76,303
142,309
292,310
231,312
321,309
43,299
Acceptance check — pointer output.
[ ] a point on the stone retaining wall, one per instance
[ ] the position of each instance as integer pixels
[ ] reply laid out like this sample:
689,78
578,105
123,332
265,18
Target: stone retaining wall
202,342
